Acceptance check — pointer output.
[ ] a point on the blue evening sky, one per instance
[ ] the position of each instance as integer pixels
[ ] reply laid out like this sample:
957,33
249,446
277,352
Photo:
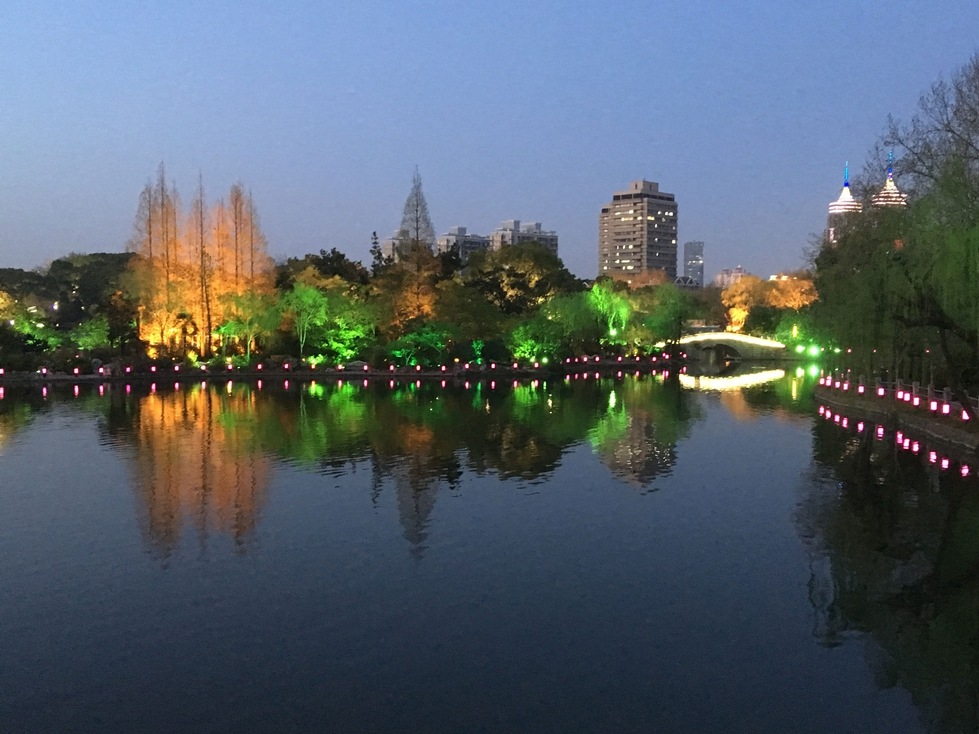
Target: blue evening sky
524,110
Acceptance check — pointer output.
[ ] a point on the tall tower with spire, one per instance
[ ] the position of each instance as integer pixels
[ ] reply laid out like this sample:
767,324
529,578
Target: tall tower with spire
841,209
890,194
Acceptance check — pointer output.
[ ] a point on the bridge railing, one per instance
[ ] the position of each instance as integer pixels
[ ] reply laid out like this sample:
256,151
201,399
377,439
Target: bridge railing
912,394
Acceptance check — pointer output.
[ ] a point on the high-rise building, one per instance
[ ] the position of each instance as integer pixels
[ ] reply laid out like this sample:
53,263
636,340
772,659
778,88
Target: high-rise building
637,233
512,232
693,262
463,240
890,194
841,209
846,206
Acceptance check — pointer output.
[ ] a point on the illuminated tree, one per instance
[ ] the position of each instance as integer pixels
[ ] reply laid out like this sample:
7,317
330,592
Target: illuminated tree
793,294
238,206
580,324
181,279
249,316
91,334
306,307
406,290
424,345
204,262
519,278
535,339
740,297
612,305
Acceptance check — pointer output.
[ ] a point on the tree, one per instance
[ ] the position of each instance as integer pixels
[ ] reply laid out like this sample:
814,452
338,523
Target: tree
519,278
379,260
740,297
424,345
180,279
535,339
306,306
581,325
91,334
327,265
612,305
940,144
793,293
204,264
406,290
416,230
903,280
121,315
250,316
238,205
669,311
466,308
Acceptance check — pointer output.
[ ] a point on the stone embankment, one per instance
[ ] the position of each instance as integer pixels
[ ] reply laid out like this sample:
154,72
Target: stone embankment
923,411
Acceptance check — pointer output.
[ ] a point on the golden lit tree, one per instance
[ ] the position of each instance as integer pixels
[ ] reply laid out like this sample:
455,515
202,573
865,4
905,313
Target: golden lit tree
792,293
184,279
741,297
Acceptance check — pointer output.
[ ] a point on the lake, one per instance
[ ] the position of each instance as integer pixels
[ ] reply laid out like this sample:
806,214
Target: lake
622,554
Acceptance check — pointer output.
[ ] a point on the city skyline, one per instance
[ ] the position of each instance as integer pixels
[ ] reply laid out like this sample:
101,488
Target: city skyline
323,113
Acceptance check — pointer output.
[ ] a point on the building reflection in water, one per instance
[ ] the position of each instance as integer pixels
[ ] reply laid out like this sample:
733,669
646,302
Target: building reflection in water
637,436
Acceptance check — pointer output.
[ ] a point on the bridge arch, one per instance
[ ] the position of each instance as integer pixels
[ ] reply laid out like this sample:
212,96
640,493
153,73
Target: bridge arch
718,346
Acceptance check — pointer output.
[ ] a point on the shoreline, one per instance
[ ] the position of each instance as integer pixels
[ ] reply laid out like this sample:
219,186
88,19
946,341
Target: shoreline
893,415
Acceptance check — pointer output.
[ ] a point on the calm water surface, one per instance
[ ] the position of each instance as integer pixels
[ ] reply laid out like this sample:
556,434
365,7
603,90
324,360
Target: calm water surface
622,555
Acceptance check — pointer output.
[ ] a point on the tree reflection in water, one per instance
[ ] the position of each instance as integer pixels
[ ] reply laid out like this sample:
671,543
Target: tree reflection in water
894,545
202,456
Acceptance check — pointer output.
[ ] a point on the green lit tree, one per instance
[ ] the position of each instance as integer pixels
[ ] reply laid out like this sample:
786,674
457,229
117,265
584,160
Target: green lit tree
251,316
306,308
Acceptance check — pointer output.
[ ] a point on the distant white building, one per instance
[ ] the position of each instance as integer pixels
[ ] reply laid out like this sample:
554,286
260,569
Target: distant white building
465,242
389,247
729,276
512,232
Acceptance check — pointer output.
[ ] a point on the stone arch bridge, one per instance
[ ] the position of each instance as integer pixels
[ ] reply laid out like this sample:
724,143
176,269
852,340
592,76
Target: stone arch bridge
721,347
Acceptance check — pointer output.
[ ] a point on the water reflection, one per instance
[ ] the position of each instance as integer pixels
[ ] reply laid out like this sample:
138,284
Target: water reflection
194,463
637,436
894,550
201,455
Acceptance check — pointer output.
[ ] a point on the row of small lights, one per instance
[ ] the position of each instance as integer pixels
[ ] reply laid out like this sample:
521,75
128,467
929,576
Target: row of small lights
259,384
905,396
903,442
340,367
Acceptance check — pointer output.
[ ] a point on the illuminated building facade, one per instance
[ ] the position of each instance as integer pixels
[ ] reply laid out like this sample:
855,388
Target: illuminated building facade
890,194
840,210
846,206
637,233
